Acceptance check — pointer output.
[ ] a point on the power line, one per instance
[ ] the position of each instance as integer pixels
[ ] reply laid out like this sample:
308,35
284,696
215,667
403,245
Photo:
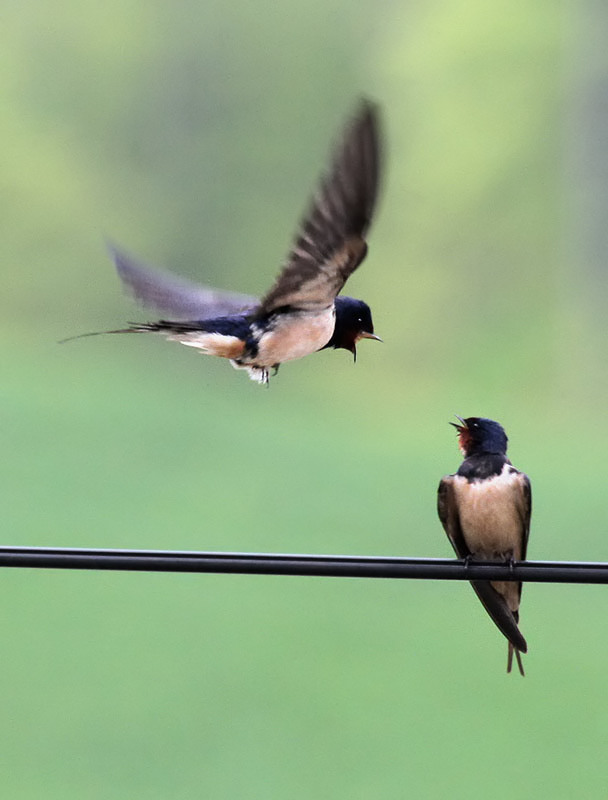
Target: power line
312,565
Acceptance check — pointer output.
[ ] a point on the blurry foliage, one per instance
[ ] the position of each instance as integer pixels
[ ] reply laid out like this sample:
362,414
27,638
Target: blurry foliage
193,134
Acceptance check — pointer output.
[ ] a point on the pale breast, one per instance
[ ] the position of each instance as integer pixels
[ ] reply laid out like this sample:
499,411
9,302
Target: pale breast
490,515
295,336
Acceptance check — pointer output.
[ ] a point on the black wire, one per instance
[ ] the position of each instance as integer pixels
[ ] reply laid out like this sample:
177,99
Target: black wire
285,564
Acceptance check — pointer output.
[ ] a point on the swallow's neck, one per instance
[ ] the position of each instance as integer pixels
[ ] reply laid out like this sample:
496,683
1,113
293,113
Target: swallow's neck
481,466
342,338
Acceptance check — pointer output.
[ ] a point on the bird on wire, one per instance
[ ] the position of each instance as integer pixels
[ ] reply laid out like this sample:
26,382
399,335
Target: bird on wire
302,312
485,509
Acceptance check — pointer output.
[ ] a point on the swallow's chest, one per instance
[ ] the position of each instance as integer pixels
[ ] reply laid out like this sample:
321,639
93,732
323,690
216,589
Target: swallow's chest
293,335
490,515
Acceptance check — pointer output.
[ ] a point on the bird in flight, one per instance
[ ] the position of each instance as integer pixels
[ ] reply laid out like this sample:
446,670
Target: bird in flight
485,509
302,312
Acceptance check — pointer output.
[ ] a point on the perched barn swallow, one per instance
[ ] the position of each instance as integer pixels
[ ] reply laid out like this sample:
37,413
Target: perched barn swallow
301,313
485,509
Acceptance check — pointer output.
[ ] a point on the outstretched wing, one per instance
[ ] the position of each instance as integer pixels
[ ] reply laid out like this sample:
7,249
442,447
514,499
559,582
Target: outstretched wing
330,243
182,298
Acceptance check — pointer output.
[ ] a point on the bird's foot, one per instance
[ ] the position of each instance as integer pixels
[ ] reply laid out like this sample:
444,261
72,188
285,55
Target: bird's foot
257,374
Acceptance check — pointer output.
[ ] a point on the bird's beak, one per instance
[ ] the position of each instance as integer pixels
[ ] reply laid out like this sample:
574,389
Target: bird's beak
366,335
462,425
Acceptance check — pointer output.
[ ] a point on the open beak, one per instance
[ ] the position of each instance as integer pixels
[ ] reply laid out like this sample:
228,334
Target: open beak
361,335
462,425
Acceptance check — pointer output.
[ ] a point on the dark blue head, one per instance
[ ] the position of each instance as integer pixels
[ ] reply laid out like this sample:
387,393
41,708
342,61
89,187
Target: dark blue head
478,435
353,322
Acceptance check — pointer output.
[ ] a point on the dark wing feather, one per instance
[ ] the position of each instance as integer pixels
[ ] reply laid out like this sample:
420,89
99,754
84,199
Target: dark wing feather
492,601
526,513
330,243
182,298
502,616
448,514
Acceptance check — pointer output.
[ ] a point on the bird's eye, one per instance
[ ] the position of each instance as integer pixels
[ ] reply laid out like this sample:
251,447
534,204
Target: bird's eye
360,321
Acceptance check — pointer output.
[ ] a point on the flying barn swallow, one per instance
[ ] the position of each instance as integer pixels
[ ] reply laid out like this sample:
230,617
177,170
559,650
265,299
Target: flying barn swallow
301,313
485,509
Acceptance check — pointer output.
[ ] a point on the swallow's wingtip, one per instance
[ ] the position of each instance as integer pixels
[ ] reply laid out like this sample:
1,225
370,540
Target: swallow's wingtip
366,105
109,244
365,113
123,262
114,250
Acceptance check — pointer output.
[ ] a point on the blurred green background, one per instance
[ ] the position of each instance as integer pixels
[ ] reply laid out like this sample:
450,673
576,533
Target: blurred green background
193,134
